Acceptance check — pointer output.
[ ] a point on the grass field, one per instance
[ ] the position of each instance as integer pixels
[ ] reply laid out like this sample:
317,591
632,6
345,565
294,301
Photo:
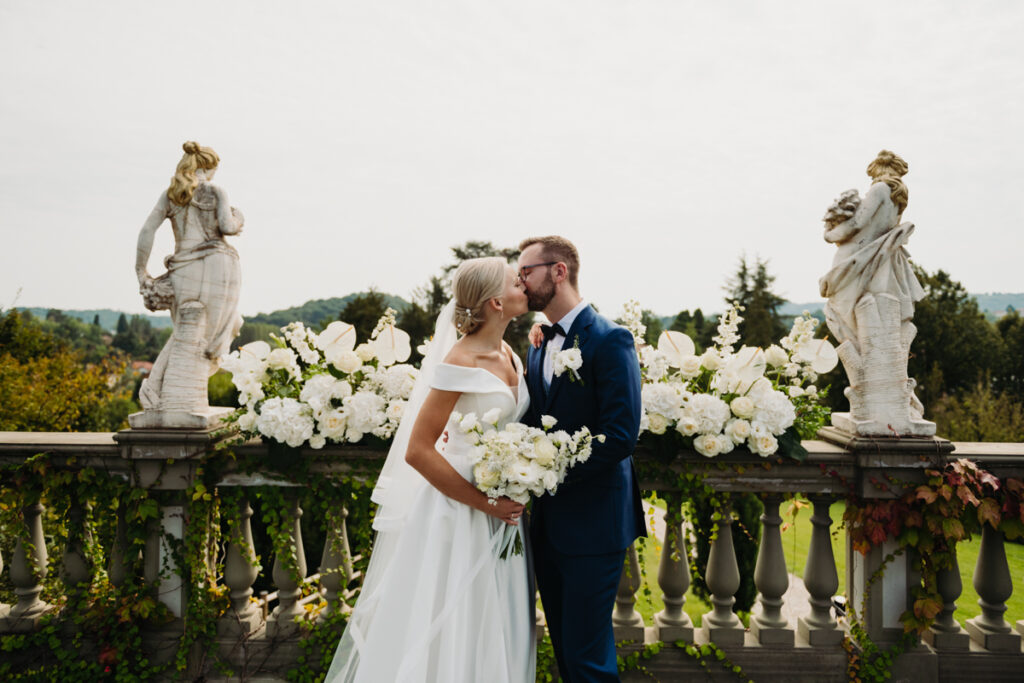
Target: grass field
796,539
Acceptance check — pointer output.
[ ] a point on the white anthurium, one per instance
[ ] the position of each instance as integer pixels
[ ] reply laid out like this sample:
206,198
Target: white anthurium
819,353
746,366
392,345
675,346
257,350
338,336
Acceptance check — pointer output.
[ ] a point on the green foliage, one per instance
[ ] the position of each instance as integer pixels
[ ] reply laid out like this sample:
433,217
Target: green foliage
979,414
751,288
363,311
251,332
955,346
314,312
139,339
221,391
46,385
1009,377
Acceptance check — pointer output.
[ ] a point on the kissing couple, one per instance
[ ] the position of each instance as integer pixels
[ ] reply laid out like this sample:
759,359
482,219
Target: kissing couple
438,602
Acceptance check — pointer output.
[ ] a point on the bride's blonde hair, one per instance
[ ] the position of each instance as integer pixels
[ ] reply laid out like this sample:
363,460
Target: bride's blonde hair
476,281
184,182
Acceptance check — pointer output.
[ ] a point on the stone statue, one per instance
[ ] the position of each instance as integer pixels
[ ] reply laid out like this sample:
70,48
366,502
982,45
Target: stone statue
871,290
200,288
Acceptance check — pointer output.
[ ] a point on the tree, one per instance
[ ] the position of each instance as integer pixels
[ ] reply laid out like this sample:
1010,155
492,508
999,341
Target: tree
363,312
955,346
1009,377
751,288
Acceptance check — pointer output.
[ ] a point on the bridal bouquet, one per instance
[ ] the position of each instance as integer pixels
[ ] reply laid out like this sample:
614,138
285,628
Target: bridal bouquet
763,399
318,387
518,461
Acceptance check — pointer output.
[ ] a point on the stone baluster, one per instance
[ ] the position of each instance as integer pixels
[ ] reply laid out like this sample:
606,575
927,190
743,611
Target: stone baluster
627,623
673,623
771,577
946,633
994,586
4,609
28,569
819,628
336,568
76,569
118,568
721,625
289,585
241,568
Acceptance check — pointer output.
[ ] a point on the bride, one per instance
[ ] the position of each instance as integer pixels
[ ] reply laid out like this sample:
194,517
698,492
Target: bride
437,602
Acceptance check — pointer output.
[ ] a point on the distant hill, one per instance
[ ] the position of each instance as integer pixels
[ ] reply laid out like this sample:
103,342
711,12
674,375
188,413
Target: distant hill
315,310
998,302
108,317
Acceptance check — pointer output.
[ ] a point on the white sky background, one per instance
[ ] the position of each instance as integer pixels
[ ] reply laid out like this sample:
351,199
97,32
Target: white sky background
362,139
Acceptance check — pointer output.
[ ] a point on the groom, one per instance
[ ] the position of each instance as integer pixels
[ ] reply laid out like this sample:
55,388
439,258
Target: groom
580,534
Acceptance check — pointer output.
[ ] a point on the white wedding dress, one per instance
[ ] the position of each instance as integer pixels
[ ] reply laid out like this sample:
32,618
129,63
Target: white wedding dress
438,603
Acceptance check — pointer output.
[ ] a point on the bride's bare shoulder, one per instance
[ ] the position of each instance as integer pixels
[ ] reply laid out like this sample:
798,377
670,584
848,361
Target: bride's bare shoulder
460,355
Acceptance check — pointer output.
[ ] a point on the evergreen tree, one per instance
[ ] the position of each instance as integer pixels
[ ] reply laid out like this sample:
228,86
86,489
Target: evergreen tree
363,312
751,288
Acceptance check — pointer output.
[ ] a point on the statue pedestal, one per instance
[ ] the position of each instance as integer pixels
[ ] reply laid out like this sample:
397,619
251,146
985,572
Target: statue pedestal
845,422
193,420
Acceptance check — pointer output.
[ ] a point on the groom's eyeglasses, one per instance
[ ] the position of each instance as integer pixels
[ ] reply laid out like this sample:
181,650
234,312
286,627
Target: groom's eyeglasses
524,271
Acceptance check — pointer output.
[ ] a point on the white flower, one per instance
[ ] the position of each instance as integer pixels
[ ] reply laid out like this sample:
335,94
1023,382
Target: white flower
737,430
247,420
764,445
339,336
485,476
665,398
365,412
711,360
709,411
655,362
469,422
791,369
317,441
491,416
708,445
689,366
396,409
657,423
776,356
795,391
548,421
285,420
391,345
687,425
544,451
319,390
346,360
675,347
811,390
365,353
569,359
396,381
333,424
743,406
775,411
284,359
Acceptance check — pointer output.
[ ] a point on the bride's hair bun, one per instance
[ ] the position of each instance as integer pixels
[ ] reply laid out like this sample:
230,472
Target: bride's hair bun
476,281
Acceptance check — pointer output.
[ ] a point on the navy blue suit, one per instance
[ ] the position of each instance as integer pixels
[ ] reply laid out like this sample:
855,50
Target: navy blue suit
579,535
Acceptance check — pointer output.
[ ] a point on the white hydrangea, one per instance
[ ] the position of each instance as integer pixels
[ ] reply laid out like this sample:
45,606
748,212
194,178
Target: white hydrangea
319,390
396,381
663,398
710,413
365,413
774,411
286,420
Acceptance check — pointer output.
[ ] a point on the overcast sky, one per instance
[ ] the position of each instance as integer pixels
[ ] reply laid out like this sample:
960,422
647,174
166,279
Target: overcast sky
363,139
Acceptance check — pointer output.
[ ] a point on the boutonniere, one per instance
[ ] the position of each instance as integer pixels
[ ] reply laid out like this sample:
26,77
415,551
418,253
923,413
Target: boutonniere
571,360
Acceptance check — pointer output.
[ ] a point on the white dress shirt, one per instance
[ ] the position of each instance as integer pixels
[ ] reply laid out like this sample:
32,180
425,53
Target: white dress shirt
556,343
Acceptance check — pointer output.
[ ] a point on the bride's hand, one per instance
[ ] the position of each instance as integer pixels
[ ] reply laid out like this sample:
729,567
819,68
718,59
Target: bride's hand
536,336
506,509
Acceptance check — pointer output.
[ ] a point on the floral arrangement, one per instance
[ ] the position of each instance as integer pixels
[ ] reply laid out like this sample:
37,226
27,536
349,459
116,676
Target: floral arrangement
763,399
312,388
519,461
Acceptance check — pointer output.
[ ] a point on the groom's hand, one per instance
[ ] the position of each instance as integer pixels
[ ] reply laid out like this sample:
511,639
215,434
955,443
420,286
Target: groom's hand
536,336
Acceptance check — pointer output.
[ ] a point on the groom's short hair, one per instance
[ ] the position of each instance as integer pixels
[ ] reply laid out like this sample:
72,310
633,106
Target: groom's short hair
557,248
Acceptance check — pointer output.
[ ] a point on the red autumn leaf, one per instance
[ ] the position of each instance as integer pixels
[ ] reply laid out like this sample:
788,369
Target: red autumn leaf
966,496
927,608
989,479
913,518
926,494
877,535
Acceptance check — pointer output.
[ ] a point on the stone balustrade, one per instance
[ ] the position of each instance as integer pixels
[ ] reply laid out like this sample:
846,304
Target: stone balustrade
260,635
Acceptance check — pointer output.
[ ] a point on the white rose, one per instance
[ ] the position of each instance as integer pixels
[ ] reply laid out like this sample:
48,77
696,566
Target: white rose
711,359
738,430
742,406
333,424
689,366
282,359
544,451
485,476
657,423
346,360
687,425
365,353
765,445
707,445
491,416
317,441
776,356
573,358
548,421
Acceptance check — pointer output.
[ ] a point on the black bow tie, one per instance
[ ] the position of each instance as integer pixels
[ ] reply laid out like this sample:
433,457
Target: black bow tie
551,330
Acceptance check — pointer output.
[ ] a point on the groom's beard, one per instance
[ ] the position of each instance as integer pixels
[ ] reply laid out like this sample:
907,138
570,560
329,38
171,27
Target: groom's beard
538,298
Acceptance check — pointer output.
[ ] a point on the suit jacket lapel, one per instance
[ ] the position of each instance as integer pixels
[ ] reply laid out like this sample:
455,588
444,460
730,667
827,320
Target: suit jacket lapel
579,326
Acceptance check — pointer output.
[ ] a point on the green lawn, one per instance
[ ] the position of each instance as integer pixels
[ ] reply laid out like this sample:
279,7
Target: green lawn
796,538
